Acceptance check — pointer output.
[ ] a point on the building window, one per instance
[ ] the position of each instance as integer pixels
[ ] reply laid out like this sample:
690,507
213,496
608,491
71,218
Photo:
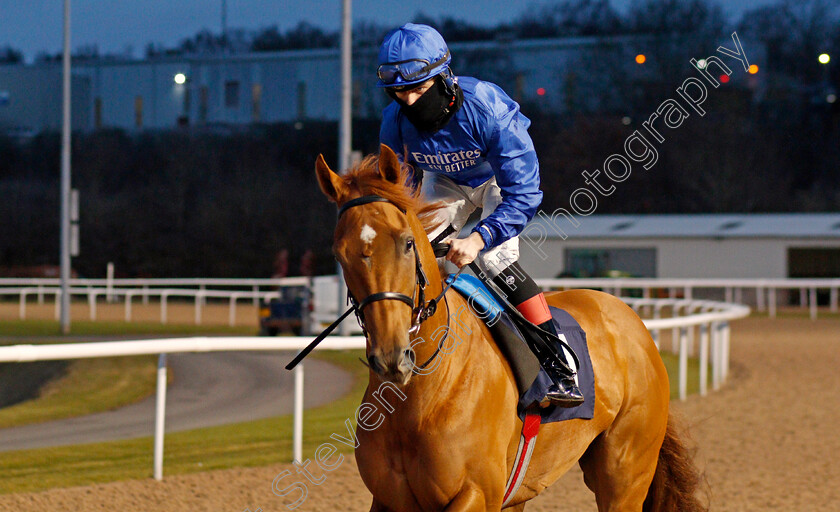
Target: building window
610,262
202,104
97,112
187,102
138,111
301,100
256,100
356,96
232,94
815,262
519,88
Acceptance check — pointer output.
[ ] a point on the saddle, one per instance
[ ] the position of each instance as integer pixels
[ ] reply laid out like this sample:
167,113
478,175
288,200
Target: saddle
531,380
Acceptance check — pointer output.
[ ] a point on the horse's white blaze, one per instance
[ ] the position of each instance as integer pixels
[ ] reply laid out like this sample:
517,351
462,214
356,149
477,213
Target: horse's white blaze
368,234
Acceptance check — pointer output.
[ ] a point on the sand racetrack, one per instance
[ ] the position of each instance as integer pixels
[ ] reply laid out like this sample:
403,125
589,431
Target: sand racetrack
767,441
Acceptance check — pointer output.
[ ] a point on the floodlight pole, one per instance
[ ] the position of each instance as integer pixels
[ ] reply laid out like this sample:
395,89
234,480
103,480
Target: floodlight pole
65,177
345,127
345,134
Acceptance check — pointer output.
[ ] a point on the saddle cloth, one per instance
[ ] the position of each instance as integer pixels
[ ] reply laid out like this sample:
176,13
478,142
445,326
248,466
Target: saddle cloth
531,380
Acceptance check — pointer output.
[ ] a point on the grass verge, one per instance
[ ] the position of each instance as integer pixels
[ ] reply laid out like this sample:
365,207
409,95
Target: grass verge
87,386
672,363
36,328
254,443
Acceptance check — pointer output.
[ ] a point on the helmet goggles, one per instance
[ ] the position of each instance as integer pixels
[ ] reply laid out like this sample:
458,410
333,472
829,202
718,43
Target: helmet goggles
409,70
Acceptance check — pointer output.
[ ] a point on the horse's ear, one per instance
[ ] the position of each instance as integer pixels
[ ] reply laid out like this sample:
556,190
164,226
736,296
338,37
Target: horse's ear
389,164
331,183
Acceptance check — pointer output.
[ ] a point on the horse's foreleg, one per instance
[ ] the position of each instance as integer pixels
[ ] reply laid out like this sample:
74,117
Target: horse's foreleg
515,508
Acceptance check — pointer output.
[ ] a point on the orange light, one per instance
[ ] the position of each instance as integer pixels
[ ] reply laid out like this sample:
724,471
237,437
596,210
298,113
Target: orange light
640,58
541,91
753,69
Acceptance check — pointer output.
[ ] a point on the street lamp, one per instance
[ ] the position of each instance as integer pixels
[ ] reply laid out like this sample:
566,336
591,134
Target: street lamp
66,126
182,90
824,59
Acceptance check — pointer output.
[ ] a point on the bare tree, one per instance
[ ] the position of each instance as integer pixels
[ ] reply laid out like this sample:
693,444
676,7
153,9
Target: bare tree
794,32
569,18
9,55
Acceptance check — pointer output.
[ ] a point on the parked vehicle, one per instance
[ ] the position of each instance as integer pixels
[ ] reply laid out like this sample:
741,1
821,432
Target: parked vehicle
287,313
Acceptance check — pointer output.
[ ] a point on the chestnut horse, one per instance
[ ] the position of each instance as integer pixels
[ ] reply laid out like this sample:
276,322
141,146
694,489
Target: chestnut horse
450,438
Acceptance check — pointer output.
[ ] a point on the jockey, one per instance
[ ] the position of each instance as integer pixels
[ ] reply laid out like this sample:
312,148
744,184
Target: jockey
471,144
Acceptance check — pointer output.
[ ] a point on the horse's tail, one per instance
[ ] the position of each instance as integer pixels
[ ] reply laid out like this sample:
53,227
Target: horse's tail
676,481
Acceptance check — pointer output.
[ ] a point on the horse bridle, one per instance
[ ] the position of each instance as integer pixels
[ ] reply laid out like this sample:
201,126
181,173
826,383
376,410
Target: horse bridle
419,313
421,310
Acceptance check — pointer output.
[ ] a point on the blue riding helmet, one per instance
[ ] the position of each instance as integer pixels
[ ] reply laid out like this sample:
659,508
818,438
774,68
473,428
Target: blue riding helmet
411,54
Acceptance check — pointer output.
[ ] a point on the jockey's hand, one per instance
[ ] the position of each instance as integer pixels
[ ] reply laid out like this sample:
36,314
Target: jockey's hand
463,251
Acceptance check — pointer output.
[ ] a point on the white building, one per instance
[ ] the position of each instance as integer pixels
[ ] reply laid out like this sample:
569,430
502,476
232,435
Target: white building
557,75
685,246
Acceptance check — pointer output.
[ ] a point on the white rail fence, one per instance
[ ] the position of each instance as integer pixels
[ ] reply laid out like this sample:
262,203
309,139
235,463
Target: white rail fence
162,347
161,289
764,294
710,319
199,298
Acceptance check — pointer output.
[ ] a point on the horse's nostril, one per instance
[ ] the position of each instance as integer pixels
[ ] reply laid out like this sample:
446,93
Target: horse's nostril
375,363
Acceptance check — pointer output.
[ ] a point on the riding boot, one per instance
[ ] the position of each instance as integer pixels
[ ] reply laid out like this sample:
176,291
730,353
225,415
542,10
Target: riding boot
564,391
529,300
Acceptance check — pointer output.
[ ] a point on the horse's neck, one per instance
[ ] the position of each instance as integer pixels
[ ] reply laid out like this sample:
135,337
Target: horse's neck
448,338
441,348
432,340
427,257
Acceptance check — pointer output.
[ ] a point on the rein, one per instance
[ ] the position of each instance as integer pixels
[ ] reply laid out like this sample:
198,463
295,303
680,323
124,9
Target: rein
419,313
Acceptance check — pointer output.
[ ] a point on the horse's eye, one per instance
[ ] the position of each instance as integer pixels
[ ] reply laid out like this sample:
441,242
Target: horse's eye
409,244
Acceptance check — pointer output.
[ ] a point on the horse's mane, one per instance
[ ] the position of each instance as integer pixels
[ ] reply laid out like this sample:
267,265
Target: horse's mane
365,179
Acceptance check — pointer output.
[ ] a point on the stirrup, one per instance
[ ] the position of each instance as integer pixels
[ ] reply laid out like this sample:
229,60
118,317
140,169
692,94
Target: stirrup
563,394
563,391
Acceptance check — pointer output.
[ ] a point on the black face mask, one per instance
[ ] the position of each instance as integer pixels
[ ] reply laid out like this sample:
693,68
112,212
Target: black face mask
434,108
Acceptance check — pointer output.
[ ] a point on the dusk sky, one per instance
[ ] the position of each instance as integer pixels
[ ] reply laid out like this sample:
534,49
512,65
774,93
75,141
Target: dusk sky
33,26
